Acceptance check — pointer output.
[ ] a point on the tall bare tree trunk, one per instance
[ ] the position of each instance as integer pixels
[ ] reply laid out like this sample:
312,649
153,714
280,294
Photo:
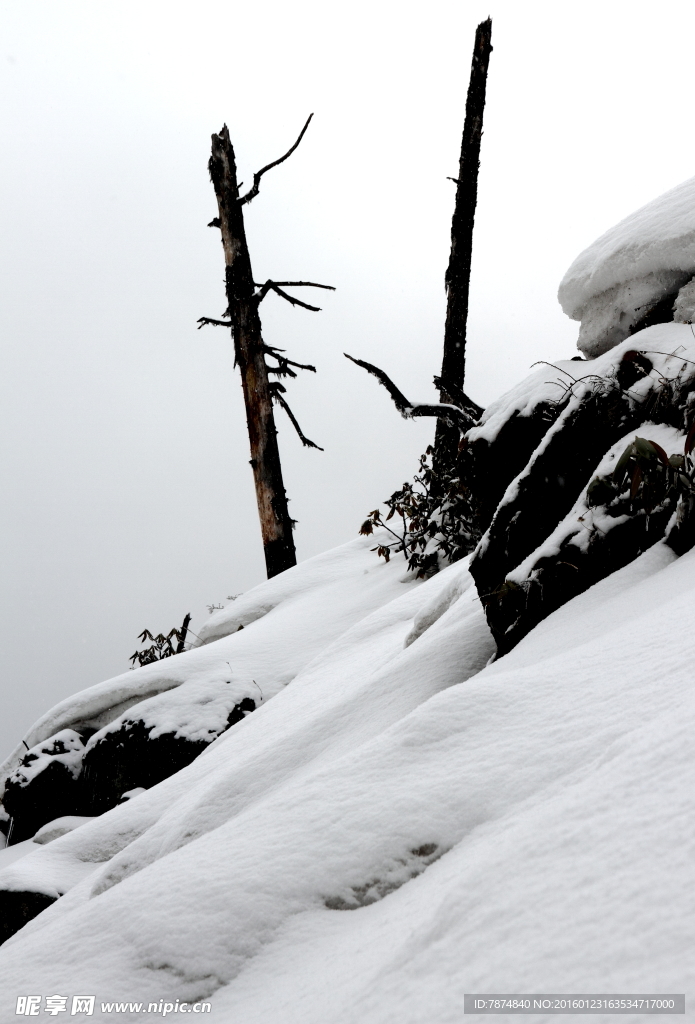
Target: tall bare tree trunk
276,525
459,270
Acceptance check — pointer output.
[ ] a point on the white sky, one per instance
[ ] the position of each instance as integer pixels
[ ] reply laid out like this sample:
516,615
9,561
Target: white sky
128,499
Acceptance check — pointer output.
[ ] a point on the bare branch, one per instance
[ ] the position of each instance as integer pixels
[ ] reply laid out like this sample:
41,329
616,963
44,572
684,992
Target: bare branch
401,402
253,192
277,389
275,287
407,409
301,284
216,323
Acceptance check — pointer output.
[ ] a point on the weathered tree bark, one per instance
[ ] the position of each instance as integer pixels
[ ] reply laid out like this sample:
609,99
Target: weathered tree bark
459,270
276,525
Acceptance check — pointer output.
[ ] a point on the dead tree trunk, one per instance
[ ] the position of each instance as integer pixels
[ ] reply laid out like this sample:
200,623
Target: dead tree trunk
243,299
276,525
459,270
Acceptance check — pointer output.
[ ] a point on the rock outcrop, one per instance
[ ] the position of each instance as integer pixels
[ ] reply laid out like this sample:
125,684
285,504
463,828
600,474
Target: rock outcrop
565,521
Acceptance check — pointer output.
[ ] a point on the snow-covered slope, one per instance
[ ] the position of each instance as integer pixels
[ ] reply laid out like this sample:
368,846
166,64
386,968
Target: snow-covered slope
401,825
641,261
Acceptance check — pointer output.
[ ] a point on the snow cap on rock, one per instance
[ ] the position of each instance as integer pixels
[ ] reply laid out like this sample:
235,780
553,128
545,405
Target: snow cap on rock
646,259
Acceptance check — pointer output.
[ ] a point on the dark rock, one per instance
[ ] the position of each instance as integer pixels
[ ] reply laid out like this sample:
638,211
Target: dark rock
18,908
241,710
488,467
631,368
130,758
515,608
46,785
552,482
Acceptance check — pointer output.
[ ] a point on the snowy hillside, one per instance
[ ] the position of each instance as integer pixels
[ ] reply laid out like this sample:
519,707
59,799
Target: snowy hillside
530,828
364,794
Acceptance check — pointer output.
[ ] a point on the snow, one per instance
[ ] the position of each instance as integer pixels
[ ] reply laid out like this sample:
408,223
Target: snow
402,824
546,384
9,854
59,827
642,260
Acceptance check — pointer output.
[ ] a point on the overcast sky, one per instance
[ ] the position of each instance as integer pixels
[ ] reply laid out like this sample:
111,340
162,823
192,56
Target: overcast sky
127,496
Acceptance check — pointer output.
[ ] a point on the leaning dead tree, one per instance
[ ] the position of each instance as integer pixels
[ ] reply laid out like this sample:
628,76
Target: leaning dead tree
457,279
244,296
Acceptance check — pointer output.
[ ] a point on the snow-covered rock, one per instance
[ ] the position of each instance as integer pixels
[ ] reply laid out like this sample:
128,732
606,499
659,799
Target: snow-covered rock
45,785
615,286
547,541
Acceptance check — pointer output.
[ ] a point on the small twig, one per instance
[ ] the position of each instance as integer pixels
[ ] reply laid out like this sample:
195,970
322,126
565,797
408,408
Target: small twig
276,389
655,352
401,540
259,689
544,362
407,409
215,323
253,192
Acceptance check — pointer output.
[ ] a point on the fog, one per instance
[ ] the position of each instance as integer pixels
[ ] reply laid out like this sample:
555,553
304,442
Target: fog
128,498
